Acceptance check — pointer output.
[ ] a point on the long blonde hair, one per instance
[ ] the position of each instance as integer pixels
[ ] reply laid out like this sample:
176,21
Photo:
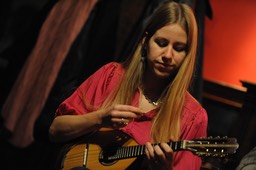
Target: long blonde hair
166,123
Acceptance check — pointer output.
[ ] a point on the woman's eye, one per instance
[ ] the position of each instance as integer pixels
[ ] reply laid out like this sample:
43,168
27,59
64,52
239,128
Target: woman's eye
161,43
180,48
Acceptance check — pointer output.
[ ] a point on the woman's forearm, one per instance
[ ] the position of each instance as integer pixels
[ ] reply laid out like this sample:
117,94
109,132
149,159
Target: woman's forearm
68,127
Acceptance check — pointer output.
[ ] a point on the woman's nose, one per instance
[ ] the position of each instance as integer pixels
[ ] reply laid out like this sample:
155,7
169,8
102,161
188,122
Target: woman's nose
168,52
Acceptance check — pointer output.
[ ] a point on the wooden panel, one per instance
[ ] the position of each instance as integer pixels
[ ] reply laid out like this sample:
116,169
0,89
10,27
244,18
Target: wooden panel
224,93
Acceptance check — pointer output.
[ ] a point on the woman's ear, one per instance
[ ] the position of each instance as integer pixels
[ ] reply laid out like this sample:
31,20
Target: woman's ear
144,38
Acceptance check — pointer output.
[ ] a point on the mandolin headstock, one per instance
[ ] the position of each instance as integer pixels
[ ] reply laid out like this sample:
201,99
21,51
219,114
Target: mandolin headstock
212,147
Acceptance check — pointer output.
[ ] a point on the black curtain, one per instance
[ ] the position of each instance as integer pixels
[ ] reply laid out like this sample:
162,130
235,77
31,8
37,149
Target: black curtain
202,9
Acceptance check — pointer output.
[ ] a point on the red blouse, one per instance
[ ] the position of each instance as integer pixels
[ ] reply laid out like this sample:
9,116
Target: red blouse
98,86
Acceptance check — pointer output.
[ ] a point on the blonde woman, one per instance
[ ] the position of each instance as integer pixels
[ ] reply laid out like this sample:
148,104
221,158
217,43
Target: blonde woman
145,97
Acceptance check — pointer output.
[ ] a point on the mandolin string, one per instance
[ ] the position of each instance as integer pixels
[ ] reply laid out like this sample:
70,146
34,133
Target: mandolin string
121,151
126,151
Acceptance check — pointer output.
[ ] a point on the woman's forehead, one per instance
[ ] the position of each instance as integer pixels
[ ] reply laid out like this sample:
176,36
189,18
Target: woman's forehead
172,31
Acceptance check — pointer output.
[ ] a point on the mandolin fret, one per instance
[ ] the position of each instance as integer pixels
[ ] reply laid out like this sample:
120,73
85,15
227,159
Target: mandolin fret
126,152
139,150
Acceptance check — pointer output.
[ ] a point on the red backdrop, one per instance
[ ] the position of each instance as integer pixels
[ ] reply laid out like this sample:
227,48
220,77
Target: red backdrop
230,42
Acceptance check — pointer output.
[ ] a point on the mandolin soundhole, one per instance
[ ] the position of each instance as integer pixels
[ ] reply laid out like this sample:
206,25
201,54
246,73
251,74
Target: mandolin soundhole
107,157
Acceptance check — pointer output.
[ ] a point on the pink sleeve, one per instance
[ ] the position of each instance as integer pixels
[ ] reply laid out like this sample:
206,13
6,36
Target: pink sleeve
92,91
195,127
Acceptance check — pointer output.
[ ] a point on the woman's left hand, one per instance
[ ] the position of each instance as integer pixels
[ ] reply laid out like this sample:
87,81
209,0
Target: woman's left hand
160,156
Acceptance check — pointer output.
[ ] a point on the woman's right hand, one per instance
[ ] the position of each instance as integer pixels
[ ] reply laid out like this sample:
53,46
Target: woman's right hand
66,127
120,115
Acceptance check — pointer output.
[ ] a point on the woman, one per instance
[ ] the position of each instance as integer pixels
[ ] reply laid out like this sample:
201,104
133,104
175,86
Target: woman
145,97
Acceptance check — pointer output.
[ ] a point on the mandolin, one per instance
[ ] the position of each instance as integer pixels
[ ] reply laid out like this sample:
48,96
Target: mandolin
113,149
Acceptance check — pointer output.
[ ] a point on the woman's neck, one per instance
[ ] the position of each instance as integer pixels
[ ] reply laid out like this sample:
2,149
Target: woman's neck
152,88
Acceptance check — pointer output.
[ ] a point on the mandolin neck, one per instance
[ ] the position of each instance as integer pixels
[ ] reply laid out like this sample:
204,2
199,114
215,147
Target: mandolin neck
135,151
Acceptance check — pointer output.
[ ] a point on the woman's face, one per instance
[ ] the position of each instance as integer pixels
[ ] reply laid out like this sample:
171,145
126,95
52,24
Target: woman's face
166,50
